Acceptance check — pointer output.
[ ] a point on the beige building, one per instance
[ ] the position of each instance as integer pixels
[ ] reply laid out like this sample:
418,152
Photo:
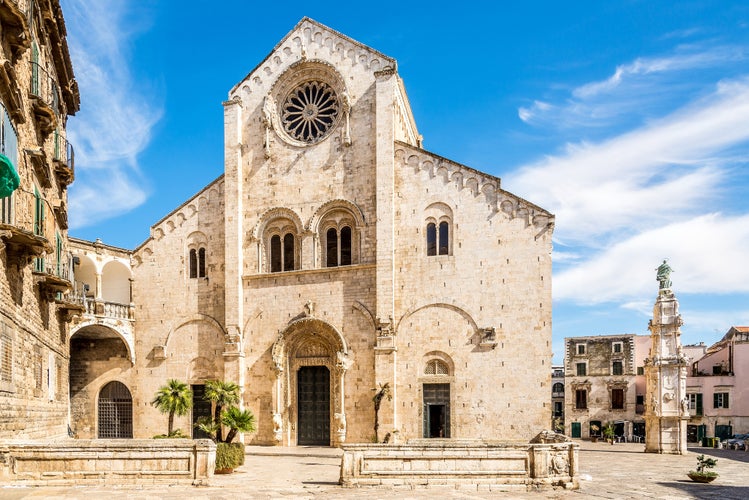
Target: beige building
37,94
605,383
334,255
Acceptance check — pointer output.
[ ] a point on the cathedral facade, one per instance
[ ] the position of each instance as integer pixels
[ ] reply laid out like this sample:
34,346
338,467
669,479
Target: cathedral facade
334,257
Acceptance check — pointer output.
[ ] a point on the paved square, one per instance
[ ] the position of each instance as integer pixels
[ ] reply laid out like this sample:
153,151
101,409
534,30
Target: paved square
616,471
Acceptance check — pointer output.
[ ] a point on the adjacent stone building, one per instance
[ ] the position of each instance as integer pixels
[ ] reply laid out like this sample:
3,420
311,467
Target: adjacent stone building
334,256
605,384
37,94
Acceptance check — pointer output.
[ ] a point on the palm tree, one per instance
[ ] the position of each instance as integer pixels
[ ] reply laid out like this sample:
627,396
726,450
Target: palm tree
237,421
222,394
174,398
382,393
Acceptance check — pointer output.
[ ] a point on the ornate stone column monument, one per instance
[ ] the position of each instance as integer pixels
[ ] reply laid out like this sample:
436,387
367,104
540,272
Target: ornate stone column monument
666,412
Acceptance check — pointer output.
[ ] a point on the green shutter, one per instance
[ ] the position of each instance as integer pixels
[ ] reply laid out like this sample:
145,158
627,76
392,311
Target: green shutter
699,403
38,213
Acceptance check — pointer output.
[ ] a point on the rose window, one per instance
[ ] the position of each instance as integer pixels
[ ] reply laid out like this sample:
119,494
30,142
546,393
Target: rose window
310,111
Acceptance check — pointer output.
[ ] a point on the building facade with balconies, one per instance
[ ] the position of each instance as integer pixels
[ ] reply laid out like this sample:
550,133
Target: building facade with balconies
718,388
605,384
37,94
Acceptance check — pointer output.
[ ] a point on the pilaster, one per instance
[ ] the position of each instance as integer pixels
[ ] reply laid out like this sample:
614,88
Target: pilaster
234,257
385,359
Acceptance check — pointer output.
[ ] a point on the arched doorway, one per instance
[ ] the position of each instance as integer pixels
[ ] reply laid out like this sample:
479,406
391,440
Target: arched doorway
313,405
115,412
310,358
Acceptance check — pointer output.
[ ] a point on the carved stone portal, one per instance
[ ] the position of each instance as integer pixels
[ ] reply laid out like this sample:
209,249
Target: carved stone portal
308,341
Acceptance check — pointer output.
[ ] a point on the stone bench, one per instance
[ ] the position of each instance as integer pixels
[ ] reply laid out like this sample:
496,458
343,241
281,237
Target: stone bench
464,464
107,461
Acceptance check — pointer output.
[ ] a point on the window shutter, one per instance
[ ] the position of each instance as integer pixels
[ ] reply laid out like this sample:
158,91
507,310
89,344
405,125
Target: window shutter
716,400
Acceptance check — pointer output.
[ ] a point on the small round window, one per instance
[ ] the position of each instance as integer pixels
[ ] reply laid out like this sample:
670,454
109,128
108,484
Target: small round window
310,111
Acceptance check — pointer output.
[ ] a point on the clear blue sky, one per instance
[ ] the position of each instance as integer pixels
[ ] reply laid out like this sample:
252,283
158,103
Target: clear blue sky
627,119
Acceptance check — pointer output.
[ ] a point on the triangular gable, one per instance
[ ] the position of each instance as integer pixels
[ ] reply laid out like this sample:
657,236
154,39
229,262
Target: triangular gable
361,50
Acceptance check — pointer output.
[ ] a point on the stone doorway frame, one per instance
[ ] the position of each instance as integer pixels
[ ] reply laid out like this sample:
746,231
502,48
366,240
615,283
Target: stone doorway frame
308,341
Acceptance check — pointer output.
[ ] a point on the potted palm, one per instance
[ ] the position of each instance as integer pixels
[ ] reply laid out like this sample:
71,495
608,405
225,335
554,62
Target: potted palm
594,433
608,433
174,398
702,475
230,455
224,396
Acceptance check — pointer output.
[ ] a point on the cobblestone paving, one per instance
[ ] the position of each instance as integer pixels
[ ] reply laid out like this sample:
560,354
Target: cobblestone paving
618,471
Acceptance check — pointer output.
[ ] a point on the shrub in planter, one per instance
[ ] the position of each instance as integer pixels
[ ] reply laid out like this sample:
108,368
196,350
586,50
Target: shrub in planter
229,456
702,474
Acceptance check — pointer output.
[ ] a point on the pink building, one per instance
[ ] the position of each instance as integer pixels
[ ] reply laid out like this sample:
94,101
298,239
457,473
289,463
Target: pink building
718,388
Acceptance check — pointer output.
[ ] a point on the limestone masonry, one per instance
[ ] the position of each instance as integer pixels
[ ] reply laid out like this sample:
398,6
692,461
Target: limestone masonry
333,257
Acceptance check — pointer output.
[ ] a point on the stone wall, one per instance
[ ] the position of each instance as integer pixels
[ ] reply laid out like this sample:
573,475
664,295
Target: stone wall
34,353
482,466
107,461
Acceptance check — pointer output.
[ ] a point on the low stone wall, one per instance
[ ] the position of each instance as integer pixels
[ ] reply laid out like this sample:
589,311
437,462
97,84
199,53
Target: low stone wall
107,461
479,465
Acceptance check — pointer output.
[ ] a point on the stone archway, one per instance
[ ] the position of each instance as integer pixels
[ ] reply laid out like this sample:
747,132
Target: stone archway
316,346
97,352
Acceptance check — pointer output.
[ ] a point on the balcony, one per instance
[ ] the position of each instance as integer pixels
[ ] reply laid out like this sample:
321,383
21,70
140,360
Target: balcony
45,99
23,244
64,160
54,280
557,395
39,161
15,29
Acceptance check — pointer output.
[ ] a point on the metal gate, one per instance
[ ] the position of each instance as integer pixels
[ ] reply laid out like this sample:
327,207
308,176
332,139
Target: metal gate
201,407
115,412
436,410
313,406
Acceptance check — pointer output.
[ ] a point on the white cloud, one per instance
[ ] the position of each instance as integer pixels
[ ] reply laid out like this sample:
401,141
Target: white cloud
693,59
653,175
116,119
707,253
642,87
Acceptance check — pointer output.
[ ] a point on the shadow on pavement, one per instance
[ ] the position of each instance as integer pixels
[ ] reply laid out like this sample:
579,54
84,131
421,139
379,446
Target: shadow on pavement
737,455
709,491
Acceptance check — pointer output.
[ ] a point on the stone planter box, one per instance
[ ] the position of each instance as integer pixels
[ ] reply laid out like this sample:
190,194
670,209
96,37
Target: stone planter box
107,461
476,465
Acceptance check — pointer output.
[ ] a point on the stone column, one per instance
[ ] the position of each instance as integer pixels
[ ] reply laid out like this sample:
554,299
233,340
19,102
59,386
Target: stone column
666,414
340,409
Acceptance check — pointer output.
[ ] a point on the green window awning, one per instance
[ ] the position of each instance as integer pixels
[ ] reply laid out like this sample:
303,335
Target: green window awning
9,180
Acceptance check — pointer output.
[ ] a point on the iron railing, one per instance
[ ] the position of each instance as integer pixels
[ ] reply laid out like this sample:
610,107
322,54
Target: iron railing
44,87
64,151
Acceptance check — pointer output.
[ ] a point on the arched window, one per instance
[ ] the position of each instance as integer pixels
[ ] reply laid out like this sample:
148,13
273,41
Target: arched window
557,387
431,239
115,412
338,247
282,253
197,263
331,248
444,238
436,367
201,263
